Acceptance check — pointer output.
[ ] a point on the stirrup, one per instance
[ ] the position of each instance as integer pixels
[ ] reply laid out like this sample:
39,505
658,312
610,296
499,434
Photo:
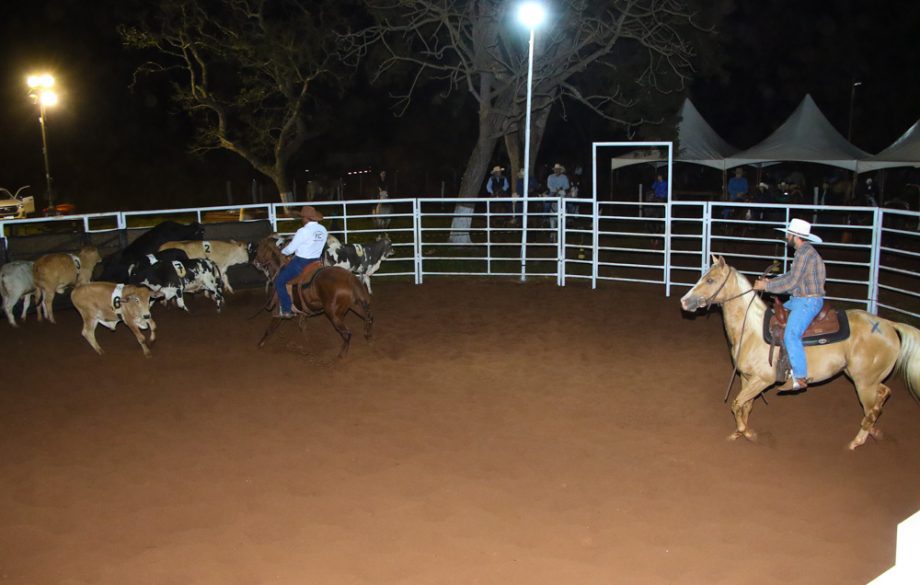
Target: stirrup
793,385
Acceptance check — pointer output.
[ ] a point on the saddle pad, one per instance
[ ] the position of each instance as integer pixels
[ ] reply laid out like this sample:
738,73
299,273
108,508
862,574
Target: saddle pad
822,339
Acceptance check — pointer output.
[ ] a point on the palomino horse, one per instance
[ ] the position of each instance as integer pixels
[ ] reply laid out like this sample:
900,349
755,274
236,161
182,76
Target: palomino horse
333,292
873,350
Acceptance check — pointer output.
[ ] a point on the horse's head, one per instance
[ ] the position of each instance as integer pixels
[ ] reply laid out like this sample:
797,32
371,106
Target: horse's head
710,288
267,257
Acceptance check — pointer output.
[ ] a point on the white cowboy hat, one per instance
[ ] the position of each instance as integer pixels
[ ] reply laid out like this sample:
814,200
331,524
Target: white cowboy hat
558,167
801,228
497,169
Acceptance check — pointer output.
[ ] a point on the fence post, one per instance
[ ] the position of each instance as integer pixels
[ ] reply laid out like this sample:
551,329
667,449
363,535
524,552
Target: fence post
417,237
878,218
595,239
560,240
488,232
707,236
667,247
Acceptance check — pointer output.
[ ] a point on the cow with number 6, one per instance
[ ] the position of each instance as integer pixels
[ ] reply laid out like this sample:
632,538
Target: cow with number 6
107,303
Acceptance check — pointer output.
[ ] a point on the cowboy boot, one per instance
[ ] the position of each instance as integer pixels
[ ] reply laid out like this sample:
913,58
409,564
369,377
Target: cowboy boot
793,385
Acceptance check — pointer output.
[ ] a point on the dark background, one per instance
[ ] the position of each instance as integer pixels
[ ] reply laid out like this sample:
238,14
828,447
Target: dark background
112,147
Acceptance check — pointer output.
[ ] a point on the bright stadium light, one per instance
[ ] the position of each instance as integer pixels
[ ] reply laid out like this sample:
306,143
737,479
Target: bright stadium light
40,91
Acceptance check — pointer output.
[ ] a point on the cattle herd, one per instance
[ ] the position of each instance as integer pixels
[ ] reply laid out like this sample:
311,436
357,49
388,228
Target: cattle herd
163,264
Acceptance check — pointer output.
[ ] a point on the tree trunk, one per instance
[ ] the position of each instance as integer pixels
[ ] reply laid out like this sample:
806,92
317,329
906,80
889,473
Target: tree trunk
516,156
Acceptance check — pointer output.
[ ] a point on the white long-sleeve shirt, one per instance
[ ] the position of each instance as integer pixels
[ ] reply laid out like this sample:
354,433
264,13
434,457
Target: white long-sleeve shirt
308,242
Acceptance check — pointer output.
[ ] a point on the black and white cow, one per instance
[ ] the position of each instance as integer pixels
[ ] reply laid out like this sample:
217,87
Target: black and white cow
151,259
172,279
362,259
116,267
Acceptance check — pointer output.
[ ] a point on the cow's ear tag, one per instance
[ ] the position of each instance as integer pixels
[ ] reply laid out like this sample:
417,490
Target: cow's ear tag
179,268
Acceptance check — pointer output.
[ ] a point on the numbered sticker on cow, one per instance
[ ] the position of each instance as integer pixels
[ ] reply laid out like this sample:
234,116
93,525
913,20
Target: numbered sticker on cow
116,297
207,247
180,268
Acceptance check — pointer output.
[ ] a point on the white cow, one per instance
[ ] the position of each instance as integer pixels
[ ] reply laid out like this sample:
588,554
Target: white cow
16,282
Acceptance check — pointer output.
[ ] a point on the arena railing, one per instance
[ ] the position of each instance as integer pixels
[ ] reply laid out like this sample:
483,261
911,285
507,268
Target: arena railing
870,252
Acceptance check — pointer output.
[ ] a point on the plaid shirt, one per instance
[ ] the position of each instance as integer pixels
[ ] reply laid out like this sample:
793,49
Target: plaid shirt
805,278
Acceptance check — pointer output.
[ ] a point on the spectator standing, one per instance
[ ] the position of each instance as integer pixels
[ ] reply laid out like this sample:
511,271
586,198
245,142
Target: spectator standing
738,190
497,185
660,189
869,193
557,185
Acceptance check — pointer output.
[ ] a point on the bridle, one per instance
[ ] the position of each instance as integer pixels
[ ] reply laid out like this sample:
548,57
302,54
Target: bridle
709,300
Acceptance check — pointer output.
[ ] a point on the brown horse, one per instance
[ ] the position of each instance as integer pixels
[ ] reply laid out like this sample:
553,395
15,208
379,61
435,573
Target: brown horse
873,350
333,292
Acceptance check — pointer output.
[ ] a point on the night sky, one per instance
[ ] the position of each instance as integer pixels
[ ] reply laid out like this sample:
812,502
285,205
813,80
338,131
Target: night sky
115,148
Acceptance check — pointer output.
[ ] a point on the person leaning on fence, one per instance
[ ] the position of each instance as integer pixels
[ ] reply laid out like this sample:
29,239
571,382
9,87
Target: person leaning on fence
497,185
805,283
307,248
557,185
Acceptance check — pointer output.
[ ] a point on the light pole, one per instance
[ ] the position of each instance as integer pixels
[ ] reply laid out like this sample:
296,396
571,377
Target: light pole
852,99
41,92
531,15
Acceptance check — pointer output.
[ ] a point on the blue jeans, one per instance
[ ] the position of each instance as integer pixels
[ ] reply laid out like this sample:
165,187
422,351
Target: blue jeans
287,274
802,310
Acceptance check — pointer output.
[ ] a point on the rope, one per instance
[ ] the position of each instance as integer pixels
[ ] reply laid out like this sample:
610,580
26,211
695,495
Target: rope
731,380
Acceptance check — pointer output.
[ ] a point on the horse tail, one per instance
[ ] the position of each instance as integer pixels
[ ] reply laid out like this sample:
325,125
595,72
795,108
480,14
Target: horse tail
909,357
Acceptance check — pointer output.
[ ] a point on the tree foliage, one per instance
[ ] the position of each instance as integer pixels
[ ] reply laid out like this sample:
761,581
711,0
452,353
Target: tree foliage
252,73
614,57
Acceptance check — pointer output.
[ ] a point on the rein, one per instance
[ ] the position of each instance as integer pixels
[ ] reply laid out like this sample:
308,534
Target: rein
731,380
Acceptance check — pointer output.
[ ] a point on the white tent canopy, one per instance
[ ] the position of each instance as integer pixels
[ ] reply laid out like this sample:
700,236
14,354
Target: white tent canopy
699,144
806,136
903,152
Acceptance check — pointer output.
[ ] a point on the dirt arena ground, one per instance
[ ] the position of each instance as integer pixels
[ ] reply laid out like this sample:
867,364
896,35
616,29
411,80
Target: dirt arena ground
491,433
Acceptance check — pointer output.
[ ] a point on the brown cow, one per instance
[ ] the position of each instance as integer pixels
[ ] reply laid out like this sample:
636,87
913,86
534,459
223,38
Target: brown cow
54,273
224,254
108,303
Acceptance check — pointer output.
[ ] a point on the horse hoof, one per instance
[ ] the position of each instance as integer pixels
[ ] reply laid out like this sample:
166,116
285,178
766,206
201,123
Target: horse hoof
735,436
876,433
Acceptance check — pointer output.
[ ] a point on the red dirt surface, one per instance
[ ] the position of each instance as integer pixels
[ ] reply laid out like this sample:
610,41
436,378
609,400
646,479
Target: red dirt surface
491,433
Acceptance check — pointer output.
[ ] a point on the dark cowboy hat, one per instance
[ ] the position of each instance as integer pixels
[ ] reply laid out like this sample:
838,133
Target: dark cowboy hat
309,212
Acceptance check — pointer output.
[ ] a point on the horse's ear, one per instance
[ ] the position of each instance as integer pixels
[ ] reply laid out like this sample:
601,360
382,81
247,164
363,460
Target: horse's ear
715,259
721,261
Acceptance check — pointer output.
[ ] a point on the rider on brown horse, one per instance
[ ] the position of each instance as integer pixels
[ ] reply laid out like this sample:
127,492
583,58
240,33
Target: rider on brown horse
307,249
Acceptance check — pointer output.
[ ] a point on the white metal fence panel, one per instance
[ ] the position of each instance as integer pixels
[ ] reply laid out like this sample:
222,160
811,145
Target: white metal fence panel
871,253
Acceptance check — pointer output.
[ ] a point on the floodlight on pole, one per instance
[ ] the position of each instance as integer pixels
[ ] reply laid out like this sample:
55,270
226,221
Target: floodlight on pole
531,15
40,91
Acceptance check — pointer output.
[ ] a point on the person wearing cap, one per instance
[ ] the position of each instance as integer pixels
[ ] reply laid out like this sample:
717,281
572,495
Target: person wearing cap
307,249
805,283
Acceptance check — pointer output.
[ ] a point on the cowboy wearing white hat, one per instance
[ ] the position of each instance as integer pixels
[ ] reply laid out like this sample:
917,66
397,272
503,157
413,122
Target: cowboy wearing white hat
805,283
497,185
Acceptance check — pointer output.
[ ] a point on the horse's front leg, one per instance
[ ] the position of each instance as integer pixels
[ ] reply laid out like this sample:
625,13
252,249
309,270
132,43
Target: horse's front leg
751,387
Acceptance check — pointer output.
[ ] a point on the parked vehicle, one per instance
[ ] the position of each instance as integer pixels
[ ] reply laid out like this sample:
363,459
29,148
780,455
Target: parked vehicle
14,205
